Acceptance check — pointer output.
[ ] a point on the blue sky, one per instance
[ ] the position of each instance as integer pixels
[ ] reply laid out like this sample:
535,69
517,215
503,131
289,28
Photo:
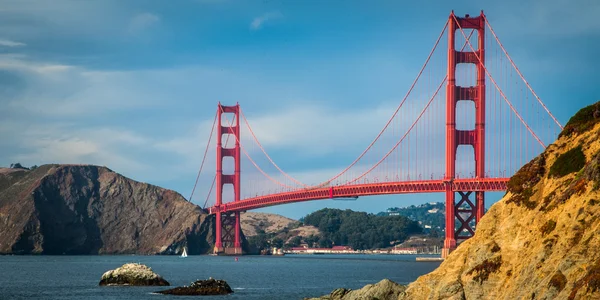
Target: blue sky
132,85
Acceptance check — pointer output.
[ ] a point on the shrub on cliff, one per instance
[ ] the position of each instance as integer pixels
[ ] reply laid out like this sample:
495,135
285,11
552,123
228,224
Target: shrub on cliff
568,162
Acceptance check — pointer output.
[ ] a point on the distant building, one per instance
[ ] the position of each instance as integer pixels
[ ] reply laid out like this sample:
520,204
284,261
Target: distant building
332,250
392,212
398,250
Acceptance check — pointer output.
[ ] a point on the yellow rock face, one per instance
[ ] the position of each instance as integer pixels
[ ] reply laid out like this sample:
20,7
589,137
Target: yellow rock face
539,243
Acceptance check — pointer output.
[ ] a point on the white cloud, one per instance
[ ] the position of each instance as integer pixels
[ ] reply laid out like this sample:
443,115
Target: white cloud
9,43
258,22
16,62
307,126
64,90
61,143
142,21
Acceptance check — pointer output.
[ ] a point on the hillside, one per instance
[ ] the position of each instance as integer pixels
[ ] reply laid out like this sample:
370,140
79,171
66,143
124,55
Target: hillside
253,223
83,209
360,230
540,241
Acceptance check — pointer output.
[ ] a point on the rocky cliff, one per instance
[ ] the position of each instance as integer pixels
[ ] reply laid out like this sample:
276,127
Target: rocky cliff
540,241
68,209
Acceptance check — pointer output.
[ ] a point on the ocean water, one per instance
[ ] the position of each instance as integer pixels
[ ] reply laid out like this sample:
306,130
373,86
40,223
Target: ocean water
251,277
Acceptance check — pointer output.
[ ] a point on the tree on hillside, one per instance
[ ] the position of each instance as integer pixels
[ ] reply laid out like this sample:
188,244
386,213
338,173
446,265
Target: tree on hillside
360,230
17,166
295,241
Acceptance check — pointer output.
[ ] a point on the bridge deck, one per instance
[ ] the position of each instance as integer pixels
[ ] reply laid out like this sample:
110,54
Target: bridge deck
369,189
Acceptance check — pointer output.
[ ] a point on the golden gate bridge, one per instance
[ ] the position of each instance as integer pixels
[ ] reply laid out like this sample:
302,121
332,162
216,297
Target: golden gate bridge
468,121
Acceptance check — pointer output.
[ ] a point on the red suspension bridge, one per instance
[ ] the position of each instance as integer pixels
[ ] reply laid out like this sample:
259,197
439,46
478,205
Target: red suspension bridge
468,121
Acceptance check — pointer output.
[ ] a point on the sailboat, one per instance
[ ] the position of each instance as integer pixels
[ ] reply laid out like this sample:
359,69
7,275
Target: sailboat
184,253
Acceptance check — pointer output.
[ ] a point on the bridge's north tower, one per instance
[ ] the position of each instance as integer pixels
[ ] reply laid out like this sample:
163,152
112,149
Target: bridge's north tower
463,211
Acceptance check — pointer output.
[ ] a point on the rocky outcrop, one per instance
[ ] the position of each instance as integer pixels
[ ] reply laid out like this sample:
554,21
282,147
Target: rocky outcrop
383,290
540,241
201,287
83,209
132,274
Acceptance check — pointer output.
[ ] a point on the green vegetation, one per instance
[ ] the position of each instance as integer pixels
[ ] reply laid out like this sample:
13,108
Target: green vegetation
558,281
583,120
568,162
486,268
548,227
360,230
264,241
522,183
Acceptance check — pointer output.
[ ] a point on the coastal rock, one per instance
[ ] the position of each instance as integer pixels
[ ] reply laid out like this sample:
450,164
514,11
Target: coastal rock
383,290
201,287
84,209
540,241
132,274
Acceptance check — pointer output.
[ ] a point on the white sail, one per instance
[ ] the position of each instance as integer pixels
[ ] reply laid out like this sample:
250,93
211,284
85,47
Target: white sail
184,253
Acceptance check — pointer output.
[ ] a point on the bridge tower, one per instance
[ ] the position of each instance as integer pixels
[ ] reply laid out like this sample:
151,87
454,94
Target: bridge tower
464,210
227,227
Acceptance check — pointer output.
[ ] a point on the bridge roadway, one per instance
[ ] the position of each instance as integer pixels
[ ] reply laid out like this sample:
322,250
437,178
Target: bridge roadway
368,189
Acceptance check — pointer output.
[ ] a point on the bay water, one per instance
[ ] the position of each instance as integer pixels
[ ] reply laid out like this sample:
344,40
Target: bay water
251,277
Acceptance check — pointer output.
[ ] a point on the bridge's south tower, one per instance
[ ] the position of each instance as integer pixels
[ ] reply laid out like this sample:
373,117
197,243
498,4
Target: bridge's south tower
462,210
227,227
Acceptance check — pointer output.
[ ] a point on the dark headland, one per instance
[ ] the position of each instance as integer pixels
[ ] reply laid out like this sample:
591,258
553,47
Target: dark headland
85,209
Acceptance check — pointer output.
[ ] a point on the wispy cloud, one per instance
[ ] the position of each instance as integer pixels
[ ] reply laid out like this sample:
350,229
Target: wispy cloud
142,21
9,43
66,143
72,91
21,63
558,18
258,22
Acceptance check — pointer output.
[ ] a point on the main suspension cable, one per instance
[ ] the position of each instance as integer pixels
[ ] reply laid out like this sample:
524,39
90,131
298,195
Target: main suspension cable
520,74
496,84
204,158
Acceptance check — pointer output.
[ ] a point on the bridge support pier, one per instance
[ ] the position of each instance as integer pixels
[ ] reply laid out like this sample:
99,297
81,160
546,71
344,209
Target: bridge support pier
227,223
465,213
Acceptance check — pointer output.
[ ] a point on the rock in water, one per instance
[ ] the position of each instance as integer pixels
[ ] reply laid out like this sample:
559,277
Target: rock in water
383,290
201,287
132,274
